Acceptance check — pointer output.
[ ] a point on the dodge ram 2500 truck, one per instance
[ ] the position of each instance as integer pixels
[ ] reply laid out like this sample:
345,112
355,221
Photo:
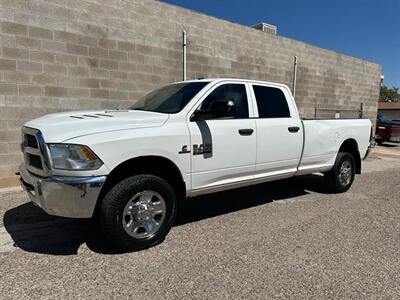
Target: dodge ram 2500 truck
129,167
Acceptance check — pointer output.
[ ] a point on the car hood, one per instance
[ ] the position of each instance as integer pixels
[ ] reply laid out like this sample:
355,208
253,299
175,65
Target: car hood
59,127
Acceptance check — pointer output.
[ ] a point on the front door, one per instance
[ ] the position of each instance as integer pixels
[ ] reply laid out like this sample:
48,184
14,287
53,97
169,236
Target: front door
223,147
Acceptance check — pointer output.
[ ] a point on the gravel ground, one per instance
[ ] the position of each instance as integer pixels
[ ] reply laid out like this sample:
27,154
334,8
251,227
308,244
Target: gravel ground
288,239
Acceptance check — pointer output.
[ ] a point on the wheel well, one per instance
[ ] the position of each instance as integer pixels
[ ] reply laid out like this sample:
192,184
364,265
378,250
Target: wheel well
154,165
351,146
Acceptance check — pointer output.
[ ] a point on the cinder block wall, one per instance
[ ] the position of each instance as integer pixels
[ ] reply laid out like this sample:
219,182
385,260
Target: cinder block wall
59,55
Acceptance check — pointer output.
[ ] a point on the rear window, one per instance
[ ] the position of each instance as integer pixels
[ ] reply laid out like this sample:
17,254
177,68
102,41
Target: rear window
271,102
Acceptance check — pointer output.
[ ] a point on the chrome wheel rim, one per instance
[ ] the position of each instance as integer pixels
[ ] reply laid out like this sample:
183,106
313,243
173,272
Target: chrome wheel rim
144,214
345,173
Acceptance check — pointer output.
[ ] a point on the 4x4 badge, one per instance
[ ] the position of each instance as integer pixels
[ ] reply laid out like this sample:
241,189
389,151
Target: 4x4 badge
202,149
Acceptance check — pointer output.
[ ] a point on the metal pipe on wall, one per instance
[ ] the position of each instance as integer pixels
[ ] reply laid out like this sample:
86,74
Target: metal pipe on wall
184,53
294,77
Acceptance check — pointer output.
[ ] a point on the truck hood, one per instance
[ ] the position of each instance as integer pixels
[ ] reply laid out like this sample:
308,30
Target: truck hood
59,127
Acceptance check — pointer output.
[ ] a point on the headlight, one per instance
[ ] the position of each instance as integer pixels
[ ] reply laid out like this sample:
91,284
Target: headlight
73,157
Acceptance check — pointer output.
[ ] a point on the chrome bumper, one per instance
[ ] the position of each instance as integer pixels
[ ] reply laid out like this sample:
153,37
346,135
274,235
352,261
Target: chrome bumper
371,146
71,197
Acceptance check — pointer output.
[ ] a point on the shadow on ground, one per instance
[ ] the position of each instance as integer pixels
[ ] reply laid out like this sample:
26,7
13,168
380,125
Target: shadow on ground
33,230
391,145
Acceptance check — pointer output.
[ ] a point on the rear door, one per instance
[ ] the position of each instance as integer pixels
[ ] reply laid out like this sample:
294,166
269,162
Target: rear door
223,149
279,132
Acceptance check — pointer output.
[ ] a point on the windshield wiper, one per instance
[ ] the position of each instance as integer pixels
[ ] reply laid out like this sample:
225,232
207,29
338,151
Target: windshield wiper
142,109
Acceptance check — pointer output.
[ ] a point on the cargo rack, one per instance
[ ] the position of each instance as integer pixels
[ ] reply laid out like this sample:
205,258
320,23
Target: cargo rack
330,113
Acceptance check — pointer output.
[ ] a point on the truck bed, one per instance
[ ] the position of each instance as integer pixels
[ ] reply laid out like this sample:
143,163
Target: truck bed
323,138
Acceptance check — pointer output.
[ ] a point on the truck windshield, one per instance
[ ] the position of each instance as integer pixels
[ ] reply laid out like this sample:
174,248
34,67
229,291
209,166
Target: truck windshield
169,99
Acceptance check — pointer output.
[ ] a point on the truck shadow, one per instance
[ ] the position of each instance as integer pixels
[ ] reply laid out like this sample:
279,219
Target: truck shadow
212,205
33,230
390,145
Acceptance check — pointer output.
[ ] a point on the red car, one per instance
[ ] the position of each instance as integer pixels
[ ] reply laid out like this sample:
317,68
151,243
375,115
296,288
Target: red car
387,130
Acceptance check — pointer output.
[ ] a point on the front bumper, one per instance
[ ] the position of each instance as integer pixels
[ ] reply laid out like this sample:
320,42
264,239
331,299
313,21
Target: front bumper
72,197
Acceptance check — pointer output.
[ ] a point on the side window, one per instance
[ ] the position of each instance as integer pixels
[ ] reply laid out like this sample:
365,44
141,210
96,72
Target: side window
271,102
229,92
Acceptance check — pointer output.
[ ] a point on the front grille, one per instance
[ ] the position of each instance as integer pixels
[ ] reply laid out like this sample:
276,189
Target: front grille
35,161
35,152
31,141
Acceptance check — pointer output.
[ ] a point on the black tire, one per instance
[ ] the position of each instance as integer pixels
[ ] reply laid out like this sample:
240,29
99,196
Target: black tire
333,177
379,142
113,205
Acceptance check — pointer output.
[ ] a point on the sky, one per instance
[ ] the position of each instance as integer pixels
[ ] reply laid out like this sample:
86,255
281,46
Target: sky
367,29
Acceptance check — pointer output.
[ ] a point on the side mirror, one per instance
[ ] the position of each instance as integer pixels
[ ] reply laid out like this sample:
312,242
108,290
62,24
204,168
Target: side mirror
217,109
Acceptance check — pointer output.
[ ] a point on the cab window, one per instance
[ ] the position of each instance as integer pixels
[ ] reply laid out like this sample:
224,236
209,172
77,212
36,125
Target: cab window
271,102
229,92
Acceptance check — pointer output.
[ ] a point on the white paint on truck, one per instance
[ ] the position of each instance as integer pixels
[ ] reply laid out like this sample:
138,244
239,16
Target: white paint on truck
229,133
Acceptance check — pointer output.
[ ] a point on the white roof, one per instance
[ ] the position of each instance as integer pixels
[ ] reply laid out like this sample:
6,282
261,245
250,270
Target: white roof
216,80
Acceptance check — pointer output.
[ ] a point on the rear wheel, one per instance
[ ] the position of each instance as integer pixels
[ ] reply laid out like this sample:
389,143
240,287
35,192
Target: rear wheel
341,177
138,212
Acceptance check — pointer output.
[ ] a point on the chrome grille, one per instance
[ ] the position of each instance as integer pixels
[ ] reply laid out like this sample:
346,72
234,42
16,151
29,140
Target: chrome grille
35,152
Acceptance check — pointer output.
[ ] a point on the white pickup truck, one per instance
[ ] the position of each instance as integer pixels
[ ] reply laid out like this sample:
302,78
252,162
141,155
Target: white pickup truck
129,167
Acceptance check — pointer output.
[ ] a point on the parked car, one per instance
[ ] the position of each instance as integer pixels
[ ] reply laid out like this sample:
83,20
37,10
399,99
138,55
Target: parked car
129,167
387,130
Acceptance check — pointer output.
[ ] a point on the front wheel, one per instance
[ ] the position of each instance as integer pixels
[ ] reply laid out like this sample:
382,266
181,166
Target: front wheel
341,177
138,212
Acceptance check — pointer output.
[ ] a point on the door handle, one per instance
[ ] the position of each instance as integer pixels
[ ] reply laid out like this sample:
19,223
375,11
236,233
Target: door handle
248,131
294,129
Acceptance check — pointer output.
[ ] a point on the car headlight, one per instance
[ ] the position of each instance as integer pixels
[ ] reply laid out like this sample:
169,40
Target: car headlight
73,157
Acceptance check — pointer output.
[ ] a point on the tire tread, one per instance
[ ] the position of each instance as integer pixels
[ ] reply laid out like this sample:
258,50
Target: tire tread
115,200
332,176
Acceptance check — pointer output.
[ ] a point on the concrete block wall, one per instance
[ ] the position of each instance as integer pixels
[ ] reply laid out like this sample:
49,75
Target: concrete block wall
58,55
